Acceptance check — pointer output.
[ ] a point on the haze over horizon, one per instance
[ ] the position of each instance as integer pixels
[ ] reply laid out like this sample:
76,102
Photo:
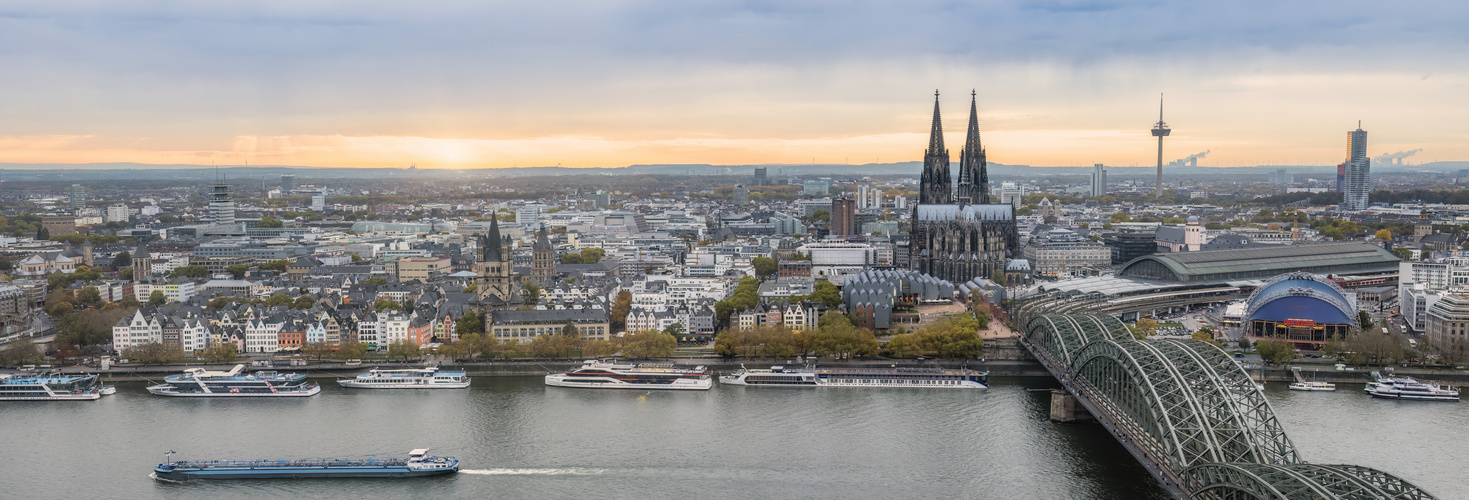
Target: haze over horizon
465,85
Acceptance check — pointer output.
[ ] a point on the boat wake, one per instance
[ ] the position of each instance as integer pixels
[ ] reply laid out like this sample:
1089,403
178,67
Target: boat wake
533,472
154,476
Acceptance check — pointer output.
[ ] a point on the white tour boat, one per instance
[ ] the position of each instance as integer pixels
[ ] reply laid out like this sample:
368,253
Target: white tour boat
408,378
595,374
905,377
1407,388
52,386
201,383
1301,384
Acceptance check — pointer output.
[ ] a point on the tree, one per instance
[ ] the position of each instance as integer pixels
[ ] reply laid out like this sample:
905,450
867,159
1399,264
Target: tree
378,281
153,353
953,337
648,344
238,270
386,303
1206,334
279,299
764,267
833,318
1244,343
1365,320
676,330
1144,328
351,351
403,349
827,294
620,307
472,288
278,266
270,223
571,258
531,293
570,330
592,255
903,345
1374,348
821,216
223,352
316,350
157,298
1384,235
122,259
305,301
469,324
21,352
43,234
190,272
1402,253
89,296
554,346
1276,351
453,350
1120,217
598,348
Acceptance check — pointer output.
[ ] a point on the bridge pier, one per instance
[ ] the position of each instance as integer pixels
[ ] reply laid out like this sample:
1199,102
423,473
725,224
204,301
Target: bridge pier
1064,408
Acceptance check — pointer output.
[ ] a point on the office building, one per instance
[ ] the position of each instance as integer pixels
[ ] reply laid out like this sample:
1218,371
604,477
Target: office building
1358,181
843,217
741,195
1099,180
78,197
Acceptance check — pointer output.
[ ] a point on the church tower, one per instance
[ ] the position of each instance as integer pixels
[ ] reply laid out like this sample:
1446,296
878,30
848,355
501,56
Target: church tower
933,184
142,263
974,177
493,270
543,257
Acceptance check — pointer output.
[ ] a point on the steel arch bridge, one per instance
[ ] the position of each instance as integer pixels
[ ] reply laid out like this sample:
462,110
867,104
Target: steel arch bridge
1185,408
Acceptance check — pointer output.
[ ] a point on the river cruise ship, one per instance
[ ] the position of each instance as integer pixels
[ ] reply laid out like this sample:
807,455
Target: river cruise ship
1407,388
50,386
914,377
198,382
418,464
408,378
596,374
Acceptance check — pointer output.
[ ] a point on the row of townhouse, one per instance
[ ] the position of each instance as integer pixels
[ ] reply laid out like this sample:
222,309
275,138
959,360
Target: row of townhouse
797,316
697,320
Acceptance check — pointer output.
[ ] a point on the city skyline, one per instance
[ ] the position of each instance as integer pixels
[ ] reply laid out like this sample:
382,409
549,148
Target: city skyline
471,86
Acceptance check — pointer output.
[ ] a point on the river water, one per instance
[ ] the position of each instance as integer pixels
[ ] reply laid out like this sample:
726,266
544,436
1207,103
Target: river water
516,438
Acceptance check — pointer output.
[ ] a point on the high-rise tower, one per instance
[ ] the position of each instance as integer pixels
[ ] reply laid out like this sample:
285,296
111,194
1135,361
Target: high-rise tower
1358,175
933,184
974,180
1160,130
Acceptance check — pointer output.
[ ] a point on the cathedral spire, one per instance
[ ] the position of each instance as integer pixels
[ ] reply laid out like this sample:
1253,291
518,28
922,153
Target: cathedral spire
934,182
972,166
936,133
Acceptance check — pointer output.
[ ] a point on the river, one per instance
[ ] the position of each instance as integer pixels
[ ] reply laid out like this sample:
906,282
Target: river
516,438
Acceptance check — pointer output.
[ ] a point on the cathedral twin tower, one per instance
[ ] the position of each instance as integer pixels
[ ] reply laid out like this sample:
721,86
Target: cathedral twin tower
974,180
957,235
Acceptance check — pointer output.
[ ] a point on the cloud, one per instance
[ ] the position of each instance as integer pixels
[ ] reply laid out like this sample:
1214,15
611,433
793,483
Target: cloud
188,76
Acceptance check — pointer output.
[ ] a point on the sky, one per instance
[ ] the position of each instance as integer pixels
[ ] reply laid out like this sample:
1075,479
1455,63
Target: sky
609,83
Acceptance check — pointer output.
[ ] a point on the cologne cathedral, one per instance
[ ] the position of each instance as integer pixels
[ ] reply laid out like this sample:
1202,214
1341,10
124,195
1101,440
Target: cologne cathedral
957,234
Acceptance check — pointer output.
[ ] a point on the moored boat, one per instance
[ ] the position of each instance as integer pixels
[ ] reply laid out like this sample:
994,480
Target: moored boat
50,386
1408,388
1312,386
418,464
408,378
596,374
905,377
198,382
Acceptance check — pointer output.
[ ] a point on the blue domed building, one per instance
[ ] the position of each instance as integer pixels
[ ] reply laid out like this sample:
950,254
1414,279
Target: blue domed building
1304,308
